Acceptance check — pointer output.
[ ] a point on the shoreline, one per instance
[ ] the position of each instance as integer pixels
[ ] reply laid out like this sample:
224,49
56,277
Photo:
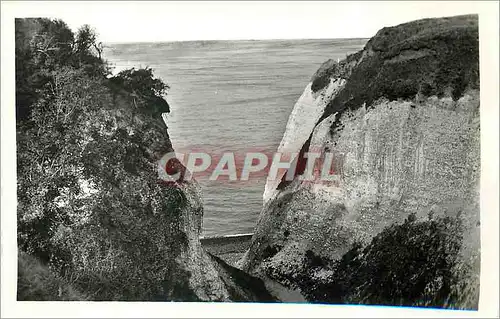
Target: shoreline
229,248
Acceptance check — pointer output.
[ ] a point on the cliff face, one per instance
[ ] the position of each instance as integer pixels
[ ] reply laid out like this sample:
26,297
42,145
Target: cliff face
402,118
119,251
399,226
95,220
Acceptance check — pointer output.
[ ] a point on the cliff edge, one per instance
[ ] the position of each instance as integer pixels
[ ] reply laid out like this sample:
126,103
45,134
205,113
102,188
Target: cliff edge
400,225
95,220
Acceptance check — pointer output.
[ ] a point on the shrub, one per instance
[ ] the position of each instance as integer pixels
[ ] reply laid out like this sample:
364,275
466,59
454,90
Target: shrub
44,46
89,204
37,282
145,90
407,264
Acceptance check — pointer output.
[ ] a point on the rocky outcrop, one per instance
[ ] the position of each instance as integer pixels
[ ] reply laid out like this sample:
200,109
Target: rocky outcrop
96,221
136,254
402,118
194,274
127,252
399,226
188,272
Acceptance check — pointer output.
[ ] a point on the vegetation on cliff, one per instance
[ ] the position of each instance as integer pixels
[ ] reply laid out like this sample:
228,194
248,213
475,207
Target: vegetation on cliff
412,264
411,61
90,209
94,220
95,224
37,282
427,57
415,263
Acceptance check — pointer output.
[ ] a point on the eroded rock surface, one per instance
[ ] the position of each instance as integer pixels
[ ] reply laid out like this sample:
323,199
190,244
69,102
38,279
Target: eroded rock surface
95,220
402,118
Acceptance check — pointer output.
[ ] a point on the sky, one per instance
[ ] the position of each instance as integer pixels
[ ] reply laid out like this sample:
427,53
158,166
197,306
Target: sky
157,21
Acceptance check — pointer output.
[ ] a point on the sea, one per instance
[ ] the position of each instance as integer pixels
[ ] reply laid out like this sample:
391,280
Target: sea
230,96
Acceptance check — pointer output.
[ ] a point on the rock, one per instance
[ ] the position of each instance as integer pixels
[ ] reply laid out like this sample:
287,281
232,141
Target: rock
148,252
404,129
95,215
240,285
196,275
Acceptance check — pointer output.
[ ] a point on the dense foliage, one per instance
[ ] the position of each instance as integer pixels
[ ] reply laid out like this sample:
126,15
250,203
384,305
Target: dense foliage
412,264
89,204
37,282
421,58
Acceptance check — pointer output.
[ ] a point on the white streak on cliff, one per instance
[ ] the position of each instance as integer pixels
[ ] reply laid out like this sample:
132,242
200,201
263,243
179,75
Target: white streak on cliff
305,114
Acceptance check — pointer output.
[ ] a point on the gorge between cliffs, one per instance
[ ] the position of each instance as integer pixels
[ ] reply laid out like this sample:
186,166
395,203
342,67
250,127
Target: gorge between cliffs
400,225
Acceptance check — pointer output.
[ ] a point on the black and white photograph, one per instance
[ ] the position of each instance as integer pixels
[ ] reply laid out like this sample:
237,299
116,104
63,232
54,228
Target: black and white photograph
219,152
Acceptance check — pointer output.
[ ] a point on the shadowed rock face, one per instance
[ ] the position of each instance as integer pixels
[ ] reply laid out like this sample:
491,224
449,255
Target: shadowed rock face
136,253
147,253
95,220
403,121
133,237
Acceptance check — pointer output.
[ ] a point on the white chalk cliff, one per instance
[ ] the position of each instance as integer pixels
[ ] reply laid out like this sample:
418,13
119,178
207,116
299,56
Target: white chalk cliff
300,125
403,117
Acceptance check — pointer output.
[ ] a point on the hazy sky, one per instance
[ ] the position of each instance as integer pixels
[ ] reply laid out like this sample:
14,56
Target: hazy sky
173,21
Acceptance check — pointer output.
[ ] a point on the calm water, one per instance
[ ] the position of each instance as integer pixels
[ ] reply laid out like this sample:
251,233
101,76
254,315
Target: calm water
231,96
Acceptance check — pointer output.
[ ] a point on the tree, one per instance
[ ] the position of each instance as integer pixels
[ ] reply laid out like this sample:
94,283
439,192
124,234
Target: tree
44,45
88,51
146,91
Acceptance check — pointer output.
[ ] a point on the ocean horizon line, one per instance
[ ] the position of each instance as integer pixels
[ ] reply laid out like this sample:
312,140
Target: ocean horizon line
232,40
